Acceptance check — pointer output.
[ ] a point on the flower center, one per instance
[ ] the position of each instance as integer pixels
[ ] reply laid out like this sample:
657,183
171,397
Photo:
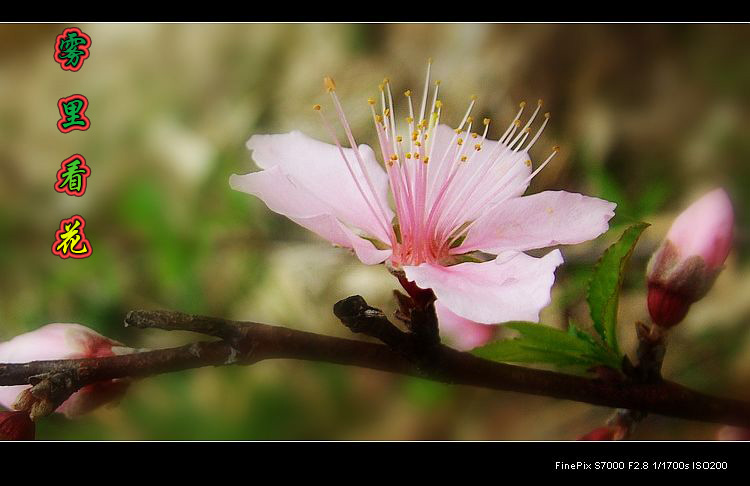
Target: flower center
438,185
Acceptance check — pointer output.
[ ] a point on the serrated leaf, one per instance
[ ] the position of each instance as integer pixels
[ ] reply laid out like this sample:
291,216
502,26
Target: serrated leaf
549,337
606,355
515,351
604,287
543,344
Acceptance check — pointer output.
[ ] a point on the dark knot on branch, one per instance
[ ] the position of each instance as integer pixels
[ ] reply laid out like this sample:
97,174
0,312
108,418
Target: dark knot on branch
359,317
418,346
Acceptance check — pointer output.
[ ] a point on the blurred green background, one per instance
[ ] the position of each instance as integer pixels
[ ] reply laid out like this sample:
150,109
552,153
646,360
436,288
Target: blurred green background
649,116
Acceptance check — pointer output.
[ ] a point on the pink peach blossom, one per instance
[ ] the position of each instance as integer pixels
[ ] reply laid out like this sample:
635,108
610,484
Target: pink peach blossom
457,198
63,341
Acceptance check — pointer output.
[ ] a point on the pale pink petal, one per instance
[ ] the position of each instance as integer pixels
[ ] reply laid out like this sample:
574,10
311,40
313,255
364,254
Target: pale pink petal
515,286
462,333
539,221
282,195
334,231
319,168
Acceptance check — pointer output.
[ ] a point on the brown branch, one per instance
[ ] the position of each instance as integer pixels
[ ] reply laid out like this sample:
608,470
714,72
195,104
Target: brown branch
258,342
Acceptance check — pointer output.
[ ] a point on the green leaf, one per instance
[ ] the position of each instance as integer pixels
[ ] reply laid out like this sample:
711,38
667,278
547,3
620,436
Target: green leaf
515,351
604,287
543,344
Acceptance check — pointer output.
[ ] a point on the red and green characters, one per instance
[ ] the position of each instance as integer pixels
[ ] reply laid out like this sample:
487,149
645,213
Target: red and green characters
71,178
72,48
70,239
73,113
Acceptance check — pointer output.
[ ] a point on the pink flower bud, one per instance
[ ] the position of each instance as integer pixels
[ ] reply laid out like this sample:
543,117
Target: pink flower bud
684,267
64,341
605,433
16,426
729,432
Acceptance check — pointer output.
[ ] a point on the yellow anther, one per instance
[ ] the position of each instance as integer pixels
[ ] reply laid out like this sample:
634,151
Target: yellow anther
399,139
378,118
473,97
527,130
486,121
437,83
316,107
416,155
426,159
429,60
460,141
386,80
474,135
418,143
540,102
413,138
370,101
408,155
415,133
409,119
329,84
547,115
438,104
517,123
458,131
522,104
387,112
394,157
528,163
381,87
426,136
407,93
478,147
556,148
463,158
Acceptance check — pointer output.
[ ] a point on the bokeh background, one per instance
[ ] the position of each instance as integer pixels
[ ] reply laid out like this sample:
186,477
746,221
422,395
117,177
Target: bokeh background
649,116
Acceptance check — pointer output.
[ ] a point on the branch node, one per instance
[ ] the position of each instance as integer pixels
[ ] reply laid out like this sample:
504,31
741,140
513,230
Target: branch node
48,392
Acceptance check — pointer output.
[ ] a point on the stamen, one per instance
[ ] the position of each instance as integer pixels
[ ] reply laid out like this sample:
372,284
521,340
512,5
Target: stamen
538,133
426,89
379,218
468,111
355,148
390,109
555,151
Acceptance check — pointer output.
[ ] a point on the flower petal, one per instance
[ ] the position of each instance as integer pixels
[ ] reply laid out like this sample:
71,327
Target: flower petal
282,195
463,333
337,233
538,221
514,286
319,168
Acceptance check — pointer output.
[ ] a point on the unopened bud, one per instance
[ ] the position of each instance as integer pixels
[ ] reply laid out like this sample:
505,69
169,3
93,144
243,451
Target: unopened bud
16,426
612,432
60,341
729,432
686,264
